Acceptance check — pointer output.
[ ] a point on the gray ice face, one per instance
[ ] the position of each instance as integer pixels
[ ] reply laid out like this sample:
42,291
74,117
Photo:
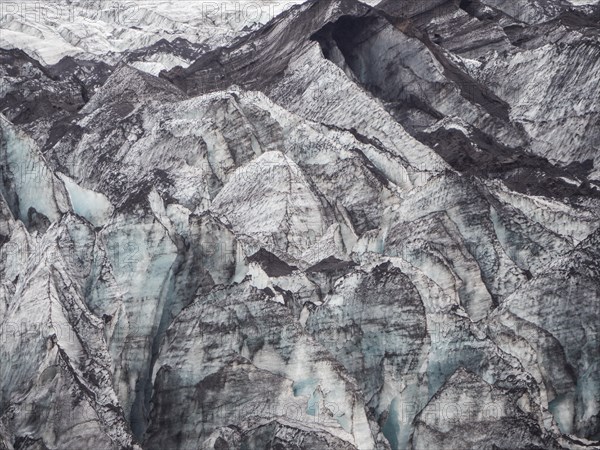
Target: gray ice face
347,228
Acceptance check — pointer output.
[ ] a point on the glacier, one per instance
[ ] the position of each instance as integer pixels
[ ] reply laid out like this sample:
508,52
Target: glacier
328,224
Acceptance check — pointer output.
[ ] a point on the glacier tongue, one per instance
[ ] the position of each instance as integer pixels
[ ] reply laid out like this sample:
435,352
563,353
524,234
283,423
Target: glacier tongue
351,227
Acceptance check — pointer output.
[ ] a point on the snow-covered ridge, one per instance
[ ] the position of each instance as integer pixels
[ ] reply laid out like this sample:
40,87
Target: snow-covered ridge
107,30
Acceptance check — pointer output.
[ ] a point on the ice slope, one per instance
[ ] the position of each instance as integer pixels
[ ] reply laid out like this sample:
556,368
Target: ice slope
304,250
